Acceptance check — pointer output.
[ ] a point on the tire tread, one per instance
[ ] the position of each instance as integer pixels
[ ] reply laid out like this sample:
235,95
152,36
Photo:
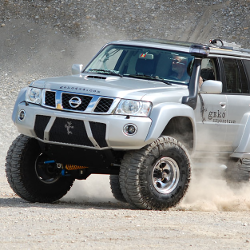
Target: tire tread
133,174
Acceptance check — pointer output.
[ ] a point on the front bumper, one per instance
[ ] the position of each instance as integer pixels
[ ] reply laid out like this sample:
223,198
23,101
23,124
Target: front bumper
81,130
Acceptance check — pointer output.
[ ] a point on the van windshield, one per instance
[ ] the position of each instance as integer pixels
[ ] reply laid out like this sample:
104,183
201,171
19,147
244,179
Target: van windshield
143,62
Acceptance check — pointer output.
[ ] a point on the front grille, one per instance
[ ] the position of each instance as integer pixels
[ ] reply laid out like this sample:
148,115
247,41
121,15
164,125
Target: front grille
89,103
69,131
99,133
50,98
40,125
85,101
103,105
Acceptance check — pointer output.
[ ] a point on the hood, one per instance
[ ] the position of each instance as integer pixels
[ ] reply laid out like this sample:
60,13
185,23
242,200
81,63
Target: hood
110,86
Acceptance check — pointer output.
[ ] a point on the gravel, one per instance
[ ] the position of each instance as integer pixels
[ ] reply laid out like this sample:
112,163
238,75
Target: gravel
114,226
44,38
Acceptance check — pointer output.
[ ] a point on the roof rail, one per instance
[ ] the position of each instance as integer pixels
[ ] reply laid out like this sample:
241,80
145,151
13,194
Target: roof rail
214,43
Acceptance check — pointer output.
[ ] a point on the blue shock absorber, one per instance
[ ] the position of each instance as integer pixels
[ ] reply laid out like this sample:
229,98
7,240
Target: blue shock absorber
63,172
48,162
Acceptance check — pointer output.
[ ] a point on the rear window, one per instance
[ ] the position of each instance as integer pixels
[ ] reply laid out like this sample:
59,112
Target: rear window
236,79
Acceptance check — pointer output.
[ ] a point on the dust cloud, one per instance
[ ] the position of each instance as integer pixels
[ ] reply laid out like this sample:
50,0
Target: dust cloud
95,188
208,191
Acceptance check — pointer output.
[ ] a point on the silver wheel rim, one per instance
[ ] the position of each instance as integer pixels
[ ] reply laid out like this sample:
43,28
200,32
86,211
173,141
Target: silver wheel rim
165,175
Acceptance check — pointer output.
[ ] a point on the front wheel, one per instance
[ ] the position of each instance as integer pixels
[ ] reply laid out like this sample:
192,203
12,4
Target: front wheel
32,175
157,176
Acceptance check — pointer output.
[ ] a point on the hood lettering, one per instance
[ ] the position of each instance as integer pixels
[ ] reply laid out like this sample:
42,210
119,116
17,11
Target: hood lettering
80,89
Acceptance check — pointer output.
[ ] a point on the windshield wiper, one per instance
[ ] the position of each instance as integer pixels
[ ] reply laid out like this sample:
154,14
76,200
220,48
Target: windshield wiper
164,80
106,71
149,77
140,76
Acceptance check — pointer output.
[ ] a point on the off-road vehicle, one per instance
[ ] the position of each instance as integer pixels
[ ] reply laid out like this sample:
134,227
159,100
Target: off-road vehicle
139,111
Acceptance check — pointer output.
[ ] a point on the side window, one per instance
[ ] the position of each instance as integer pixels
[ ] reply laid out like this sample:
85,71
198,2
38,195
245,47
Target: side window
247,68
208,71
243,78
236,80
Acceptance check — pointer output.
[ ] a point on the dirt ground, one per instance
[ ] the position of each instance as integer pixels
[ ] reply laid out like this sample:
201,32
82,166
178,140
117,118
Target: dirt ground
89,218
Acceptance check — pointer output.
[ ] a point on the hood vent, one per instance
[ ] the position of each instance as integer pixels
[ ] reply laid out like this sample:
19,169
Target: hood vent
97,77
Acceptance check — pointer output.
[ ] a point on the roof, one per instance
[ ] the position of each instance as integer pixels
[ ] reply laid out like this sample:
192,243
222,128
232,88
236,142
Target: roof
186,46
157,43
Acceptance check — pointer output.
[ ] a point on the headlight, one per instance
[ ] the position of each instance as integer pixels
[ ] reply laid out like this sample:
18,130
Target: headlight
131,107
34,95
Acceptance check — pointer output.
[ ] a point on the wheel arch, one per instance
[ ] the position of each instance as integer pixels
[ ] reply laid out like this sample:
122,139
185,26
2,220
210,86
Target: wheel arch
181,128
173,119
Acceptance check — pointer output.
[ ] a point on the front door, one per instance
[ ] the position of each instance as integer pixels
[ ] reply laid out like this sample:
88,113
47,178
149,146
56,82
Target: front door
211,113
211,120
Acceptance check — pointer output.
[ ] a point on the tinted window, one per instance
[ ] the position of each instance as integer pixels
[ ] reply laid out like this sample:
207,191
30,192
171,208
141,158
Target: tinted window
208,71
236,80
243,78
247,67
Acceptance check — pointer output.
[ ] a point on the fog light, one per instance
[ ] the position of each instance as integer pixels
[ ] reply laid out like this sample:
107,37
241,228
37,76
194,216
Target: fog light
21,115
129,129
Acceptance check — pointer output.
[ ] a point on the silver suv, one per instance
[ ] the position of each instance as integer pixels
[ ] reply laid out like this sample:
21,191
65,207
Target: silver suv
139,111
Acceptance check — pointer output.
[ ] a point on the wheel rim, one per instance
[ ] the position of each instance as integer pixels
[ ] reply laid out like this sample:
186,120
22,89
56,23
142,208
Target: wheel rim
46,173
165,175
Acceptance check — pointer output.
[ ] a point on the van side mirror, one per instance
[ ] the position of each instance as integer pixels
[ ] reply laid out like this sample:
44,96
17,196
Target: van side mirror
211,87
77,69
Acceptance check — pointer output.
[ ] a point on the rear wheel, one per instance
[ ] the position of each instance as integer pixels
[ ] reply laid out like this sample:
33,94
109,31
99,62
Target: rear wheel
237,172
115,188
32,175
157,176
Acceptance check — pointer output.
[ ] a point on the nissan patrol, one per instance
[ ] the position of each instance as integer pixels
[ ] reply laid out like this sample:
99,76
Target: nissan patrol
139,112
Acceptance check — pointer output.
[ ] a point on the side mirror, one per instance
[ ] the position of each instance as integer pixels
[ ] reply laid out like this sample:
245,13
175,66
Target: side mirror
77,69
211,87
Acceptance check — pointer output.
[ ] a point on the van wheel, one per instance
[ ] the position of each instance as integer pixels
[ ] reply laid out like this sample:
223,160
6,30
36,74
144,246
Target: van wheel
157,176
29,177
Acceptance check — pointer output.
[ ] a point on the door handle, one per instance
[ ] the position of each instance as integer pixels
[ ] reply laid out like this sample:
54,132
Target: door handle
223,104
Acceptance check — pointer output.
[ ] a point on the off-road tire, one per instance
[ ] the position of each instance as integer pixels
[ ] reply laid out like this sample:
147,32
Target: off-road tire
236,174
22,177
115,188
136,174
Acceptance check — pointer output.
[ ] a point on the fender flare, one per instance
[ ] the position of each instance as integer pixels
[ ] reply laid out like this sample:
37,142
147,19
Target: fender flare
163,113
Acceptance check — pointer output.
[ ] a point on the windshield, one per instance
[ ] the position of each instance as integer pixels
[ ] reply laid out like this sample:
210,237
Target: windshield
142,62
